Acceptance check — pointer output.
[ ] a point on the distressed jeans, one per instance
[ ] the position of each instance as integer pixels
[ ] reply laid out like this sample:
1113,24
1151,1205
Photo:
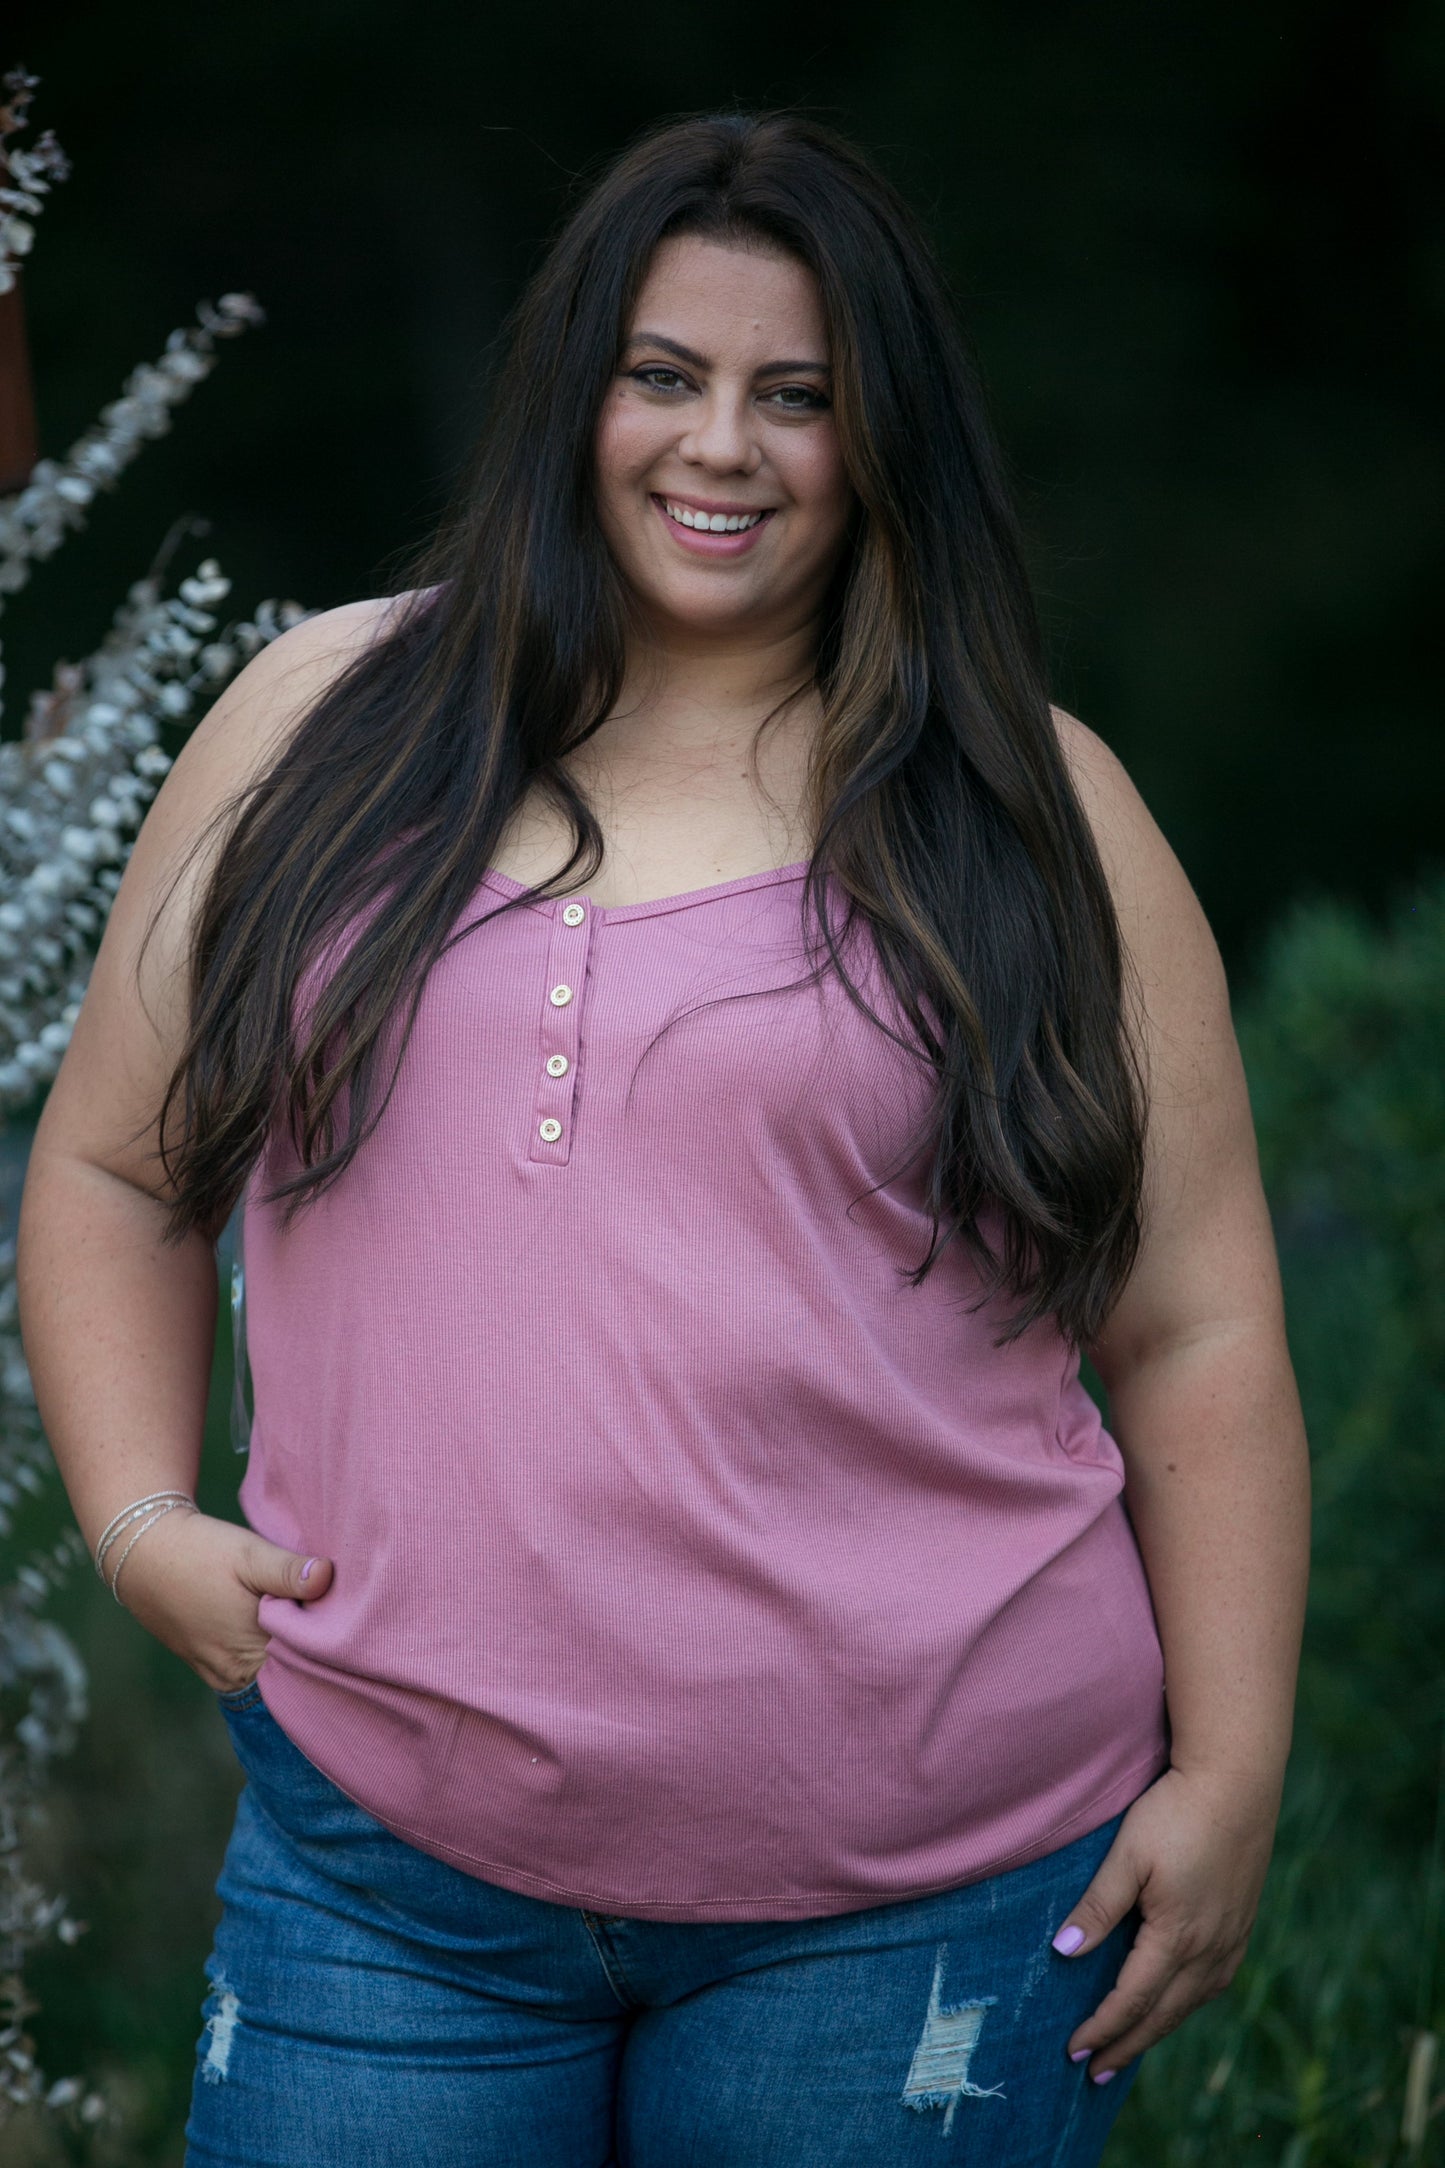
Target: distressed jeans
374,2006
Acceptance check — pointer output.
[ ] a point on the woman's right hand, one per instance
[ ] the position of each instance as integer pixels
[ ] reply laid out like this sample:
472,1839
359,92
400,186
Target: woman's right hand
195,1583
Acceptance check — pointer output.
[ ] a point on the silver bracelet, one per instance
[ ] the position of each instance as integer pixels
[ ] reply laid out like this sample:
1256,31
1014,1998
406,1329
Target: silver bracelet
129,1514
159,1515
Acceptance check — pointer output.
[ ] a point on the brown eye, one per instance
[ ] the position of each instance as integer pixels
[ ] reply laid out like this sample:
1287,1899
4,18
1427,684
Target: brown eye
803,399
646,376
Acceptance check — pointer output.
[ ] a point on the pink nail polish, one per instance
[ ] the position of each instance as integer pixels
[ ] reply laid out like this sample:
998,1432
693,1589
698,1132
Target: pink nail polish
1081,2055
1068,1939
306,1569
1102,2077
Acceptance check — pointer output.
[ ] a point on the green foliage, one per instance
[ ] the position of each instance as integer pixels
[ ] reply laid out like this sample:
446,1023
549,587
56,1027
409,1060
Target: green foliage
1344,1040
1308,2057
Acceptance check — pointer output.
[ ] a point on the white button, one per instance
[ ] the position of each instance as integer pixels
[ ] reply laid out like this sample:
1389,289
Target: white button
557,1065
573,915
549,1131
560,996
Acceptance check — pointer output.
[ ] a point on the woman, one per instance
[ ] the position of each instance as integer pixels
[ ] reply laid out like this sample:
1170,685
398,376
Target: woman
705,1047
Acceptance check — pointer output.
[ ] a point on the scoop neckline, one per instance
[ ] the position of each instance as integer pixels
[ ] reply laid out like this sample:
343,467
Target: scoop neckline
716,892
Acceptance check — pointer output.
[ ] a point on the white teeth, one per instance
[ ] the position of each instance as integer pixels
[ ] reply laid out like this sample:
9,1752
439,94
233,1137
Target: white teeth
711,522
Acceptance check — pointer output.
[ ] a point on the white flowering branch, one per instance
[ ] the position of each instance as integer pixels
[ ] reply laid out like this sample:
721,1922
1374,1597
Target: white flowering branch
34,522
73,792
26,177
72,795
71,802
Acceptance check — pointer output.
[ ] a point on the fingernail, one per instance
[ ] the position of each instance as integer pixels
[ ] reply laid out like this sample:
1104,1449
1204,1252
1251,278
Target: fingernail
1081,2055
1102,2077
306,1569
1068,1939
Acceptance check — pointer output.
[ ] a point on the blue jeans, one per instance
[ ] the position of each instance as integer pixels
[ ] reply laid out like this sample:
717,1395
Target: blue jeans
371,2005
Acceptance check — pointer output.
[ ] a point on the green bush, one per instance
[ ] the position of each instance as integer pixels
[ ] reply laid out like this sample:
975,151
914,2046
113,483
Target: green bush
1344,1041
1326,2032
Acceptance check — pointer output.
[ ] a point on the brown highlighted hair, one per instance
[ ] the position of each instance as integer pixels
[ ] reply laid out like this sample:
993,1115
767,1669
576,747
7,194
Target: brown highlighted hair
941,804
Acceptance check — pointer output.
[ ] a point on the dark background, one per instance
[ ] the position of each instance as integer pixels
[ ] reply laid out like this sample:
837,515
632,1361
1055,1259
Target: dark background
1199,246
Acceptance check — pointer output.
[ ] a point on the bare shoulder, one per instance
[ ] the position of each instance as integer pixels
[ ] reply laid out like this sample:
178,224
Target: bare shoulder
1177,1001
1160,917
1207,1255
1135,856
252,719
238,739
247,729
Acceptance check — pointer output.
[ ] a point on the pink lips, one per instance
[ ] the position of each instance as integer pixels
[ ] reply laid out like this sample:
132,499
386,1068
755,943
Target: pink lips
705,543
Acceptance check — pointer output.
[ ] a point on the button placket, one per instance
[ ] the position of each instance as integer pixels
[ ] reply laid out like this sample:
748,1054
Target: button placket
558,1035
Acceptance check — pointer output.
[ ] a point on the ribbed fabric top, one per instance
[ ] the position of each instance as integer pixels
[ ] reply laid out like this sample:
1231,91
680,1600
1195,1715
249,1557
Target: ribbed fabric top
689,1563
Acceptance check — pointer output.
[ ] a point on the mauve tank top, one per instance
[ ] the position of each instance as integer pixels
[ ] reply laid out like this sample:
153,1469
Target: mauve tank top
689,1563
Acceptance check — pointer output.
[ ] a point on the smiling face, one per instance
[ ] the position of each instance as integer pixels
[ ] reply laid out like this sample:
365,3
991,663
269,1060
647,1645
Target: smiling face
720,482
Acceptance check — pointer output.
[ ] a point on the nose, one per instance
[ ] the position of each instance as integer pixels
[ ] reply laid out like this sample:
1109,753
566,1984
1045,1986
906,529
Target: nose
720,437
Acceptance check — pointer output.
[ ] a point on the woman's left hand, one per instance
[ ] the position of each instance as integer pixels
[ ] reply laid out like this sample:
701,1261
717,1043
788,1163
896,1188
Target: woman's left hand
1191,1853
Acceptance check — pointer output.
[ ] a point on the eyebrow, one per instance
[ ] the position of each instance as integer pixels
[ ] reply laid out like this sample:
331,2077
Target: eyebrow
700,361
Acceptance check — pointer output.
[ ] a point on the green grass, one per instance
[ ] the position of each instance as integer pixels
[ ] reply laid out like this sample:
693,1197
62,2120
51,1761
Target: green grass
1306,2057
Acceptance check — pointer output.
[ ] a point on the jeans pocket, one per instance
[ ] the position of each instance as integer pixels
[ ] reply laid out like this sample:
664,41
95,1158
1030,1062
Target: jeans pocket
297,1796
240,1698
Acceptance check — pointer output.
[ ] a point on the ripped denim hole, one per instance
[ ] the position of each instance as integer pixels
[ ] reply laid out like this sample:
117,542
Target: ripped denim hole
938,2075
222,2029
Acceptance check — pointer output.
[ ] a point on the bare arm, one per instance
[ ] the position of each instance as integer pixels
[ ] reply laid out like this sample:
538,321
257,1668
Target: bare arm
1203,1403
118,1327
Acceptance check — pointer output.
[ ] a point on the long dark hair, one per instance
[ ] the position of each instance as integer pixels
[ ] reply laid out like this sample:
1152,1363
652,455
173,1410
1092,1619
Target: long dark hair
942,807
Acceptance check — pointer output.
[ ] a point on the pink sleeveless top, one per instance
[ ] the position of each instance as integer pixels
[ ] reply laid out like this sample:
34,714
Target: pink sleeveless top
689,1563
